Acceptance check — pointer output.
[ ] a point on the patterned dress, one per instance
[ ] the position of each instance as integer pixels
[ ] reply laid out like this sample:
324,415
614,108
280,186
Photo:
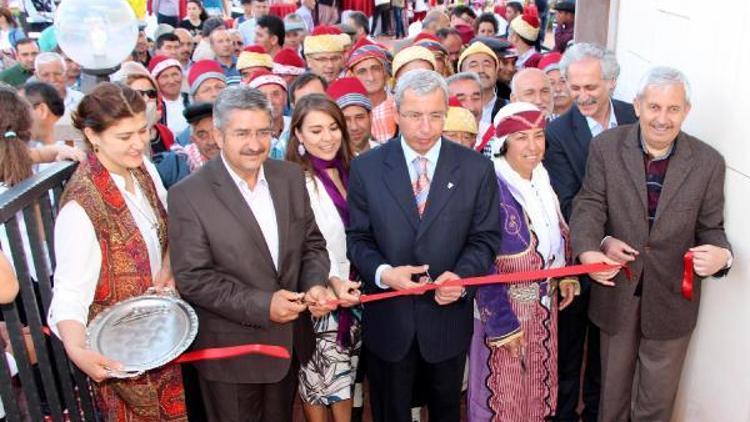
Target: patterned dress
503,387
125,272
328,377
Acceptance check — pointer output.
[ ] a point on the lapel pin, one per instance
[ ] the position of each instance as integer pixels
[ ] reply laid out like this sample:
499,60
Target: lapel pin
450,185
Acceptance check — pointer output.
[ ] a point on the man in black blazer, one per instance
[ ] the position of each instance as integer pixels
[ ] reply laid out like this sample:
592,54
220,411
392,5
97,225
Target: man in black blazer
393,246
247,254
591,73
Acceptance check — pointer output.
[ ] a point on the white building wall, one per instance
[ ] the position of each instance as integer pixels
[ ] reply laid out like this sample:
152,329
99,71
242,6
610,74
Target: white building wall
710,42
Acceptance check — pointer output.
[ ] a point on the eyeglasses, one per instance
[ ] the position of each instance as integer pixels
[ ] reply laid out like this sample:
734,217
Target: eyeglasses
432,118
260,134
147,93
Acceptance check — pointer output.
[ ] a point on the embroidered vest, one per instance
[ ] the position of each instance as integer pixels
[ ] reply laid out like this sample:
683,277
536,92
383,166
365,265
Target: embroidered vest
125,270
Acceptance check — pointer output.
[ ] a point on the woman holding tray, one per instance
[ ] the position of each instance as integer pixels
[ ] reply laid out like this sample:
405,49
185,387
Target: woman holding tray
111,245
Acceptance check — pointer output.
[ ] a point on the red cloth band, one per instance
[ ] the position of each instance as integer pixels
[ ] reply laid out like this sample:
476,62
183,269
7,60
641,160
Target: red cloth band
234,351
524,120
687,275
509,278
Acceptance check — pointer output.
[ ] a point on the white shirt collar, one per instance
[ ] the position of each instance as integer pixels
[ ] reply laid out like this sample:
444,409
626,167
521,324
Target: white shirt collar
431,155
240,182
597,128
487,110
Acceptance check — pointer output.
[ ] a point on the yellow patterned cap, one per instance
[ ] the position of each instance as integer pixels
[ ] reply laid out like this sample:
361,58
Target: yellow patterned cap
410,54
324,39
460,119
253,59
477,48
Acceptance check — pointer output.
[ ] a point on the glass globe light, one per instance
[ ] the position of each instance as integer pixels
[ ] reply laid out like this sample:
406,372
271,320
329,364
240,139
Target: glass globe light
96,34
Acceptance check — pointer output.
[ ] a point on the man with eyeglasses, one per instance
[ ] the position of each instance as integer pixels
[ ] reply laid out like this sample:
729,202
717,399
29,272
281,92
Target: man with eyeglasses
246,252
324,52
420,206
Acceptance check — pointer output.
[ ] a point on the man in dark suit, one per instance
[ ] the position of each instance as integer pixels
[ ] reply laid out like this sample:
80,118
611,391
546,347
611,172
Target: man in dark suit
591,74
656,193
247,254
420,205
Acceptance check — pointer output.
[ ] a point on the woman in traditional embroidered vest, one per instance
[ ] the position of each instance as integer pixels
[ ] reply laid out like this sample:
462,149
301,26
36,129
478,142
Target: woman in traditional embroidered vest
513,357
111,244
320,144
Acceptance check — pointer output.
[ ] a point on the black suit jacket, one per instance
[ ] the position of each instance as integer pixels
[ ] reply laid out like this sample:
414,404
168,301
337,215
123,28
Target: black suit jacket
568,139
459,232
223,267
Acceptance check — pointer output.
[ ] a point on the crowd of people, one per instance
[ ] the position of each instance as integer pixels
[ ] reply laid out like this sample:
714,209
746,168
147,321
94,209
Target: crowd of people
273,171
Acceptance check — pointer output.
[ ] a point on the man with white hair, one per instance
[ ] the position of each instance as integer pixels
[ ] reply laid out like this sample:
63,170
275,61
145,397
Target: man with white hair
561,99
51,68
652,198
591,73
406,198
531,85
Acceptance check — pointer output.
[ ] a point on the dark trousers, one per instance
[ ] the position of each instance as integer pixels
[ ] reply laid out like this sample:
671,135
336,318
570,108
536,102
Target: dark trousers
381,12
227,402
399,19
574,332
169,20
393,383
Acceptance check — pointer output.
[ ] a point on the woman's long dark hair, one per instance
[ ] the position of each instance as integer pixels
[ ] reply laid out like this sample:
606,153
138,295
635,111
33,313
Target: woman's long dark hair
204,15
15,133
316,102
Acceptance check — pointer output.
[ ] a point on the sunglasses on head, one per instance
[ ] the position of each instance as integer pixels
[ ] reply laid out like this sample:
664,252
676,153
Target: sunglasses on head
147,93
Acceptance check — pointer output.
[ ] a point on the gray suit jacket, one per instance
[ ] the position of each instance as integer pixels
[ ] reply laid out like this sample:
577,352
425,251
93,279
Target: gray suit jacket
223,267
613,201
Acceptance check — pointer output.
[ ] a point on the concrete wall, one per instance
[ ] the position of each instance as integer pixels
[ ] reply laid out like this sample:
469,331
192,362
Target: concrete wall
710,42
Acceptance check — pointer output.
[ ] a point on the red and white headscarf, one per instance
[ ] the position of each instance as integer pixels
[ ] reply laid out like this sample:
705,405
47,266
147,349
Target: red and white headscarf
513,118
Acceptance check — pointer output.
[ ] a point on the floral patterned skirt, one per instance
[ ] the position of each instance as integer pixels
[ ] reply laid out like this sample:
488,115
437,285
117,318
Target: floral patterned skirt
328,377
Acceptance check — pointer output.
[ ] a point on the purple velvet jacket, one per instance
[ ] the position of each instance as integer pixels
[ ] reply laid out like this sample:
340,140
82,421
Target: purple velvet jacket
517,253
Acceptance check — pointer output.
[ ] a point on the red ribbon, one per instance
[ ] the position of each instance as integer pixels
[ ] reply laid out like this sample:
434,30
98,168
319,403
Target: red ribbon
233,351
509,278
224,352
687,275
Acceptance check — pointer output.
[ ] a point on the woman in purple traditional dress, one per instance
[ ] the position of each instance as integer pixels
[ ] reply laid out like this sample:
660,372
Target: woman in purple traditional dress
319,142
513,355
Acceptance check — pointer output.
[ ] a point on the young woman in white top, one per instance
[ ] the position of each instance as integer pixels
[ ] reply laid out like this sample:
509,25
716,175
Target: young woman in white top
319,142
110,243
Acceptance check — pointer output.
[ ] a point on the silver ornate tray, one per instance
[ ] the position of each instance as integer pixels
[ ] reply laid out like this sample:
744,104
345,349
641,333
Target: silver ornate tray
144,332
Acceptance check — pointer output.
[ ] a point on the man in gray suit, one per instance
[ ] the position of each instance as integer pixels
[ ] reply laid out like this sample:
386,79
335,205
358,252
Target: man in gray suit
651,193
247,254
